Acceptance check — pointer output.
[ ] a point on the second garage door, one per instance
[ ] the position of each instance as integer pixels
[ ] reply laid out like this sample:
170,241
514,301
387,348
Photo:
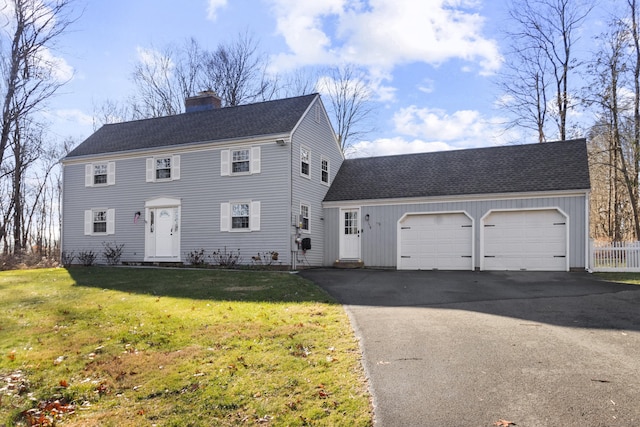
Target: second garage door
525,240
441,241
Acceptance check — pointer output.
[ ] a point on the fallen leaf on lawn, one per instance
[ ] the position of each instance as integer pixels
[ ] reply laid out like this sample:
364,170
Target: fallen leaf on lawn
12,355
64,383
504,423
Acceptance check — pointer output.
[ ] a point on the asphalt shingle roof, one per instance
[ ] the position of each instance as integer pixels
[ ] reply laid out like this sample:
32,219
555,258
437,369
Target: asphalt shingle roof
507,169
263,118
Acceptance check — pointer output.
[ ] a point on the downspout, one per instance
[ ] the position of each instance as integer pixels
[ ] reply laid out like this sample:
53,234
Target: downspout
60,205
291,236
587,238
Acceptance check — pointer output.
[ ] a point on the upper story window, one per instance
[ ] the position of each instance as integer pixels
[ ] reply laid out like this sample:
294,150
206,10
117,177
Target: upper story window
240,161
163,168
325,170
100,174
305,157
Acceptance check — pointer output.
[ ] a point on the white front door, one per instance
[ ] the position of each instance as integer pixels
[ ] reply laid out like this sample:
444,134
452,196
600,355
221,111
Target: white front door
350,233
162,229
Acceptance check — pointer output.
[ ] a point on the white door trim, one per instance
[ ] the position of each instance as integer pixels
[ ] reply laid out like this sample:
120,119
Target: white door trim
549,208
151,206
355,243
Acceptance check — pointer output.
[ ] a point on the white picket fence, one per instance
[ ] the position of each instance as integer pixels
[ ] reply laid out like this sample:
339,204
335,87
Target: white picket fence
615,256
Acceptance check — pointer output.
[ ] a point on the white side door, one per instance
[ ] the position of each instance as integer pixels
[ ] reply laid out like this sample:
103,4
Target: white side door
350,233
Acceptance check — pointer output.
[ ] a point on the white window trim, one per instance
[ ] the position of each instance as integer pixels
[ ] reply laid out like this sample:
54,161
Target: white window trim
226,161
328,181
89,174
302,147
307,230
226,218
88,222
151,168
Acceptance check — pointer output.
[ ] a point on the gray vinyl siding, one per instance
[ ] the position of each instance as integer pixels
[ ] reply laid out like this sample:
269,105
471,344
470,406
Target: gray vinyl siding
201,189
379,235
318,138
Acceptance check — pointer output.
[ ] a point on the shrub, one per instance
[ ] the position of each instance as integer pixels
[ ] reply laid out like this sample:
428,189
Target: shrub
226,259
265,258
112,252
87,258
67,258
197,258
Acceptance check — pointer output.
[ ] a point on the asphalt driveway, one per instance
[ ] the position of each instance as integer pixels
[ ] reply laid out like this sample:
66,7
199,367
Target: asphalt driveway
474,348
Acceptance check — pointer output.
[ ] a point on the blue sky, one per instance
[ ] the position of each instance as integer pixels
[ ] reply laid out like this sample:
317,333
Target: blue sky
432,62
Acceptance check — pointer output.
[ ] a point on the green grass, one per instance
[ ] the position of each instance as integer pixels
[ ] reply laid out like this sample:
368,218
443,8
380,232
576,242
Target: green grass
629,278
125,347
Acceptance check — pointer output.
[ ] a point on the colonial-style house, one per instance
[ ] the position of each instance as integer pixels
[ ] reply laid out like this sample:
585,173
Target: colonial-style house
270,178
248,179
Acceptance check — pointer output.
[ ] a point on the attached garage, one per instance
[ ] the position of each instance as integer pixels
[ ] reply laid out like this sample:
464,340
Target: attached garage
524,240
516,207
435,241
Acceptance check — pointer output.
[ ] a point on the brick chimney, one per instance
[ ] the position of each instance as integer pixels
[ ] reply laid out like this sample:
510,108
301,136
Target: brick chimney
204,101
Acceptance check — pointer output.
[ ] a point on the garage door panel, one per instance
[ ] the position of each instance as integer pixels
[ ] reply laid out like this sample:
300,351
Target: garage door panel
435,241
525,240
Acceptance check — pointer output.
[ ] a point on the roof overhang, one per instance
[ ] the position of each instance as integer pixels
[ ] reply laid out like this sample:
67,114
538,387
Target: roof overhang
181,148
456,198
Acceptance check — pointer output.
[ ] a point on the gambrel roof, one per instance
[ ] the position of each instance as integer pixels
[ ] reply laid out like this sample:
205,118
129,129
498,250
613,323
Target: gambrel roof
221,124
552,166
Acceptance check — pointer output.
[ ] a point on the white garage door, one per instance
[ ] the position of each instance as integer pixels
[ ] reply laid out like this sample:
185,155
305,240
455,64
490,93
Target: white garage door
525,240
435,241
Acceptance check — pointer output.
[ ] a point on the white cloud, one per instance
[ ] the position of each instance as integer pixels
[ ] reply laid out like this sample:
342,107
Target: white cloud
60,69
383,33
397,145
78,117
213,7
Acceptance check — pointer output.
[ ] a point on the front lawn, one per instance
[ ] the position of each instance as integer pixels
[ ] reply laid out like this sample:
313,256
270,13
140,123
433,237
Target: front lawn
628,278
128,347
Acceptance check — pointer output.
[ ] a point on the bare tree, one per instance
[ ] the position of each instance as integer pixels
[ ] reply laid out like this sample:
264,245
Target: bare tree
349,103
542,61
237,72
614,71
164,79
29,79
